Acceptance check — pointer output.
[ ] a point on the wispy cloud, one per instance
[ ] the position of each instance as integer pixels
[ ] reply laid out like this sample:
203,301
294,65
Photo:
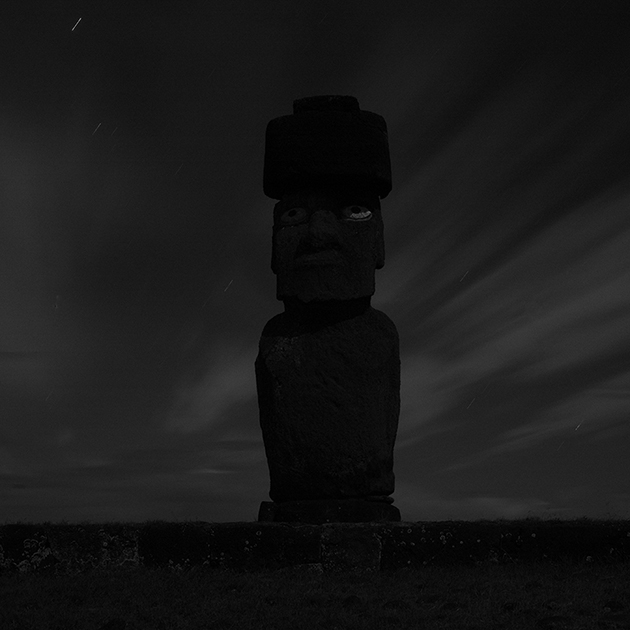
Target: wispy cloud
588,412
229,380
416,504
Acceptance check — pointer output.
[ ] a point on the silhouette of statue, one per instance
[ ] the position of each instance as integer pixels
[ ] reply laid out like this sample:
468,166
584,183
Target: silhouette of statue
328,368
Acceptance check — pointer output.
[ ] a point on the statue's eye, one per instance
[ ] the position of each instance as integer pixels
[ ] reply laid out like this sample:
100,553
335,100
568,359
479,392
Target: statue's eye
356,213
293,216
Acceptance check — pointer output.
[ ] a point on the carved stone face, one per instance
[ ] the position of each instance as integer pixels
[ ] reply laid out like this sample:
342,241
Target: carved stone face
327,243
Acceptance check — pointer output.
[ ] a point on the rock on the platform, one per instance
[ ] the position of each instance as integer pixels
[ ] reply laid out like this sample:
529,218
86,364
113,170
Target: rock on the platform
353,549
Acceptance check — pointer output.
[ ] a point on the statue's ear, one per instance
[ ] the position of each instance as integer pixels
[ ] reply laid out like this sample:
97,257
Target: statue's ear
274,261
274,256
380,240
380,251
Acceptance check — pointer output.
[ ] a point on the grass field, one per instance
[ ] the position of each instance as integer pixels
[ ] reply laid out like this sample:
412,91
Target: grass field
459,576
483,597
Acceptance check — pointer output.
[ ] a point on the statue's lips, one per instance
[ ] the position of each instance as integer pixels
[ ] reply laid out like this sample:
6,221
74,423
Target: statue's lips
325,257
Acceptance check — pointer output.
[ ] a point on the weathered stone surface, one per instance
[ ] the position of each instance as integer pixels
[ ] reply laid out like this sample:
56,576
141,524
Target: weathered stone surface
328,390
319,512
352,549
262,546
328,368
248,545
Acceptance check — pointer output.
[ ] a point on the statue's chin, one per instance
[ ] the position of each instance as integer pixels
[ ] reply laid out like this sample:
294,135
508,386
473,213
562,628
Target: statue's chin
325,283
329,257
307,298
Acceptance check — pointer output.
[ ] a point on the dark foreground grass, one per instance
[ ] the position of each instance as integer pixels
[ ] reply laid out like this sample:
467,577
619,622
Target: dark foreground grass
484,597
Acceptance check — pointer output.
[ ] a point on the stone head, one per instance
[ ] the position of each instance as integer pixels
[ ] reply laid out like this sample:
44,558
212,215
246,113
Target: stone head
328,165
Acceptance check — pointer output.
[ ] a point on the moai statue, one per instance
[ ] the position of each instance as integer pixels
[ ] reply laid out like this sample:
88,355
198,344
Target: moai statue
328,368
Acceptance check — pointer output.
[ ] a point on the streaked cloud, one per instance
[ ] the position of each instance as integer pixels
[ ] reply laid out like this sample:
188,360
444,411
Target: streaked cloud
135,245
228,381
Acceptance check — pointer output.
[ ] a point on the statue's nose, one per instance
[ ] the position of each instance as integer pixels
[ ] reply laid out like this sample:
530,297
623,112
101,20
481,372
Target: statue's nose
323,229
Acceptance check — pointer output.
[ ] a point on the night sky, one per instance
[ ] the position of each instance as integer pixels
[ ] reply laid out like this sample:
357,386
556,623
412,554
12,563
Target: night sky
135,244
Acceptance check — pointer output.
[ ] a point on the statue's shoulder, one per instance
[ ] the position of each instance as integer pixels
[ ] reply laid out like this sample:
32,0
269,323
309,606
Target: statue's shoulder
381,320
280,326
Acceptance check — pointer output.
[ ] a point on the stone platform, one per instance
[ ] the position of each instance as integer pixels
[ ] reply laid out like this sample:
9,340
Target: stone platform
252,546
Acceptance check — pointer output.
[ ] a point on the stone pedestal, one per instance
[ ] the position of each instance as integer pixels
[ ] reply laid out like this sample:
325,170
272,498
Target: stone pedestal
329,511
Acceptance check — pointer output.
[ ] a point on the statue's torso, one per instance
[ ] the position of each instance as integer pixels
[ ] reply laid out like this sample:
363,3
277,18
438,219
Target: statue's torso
329,403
